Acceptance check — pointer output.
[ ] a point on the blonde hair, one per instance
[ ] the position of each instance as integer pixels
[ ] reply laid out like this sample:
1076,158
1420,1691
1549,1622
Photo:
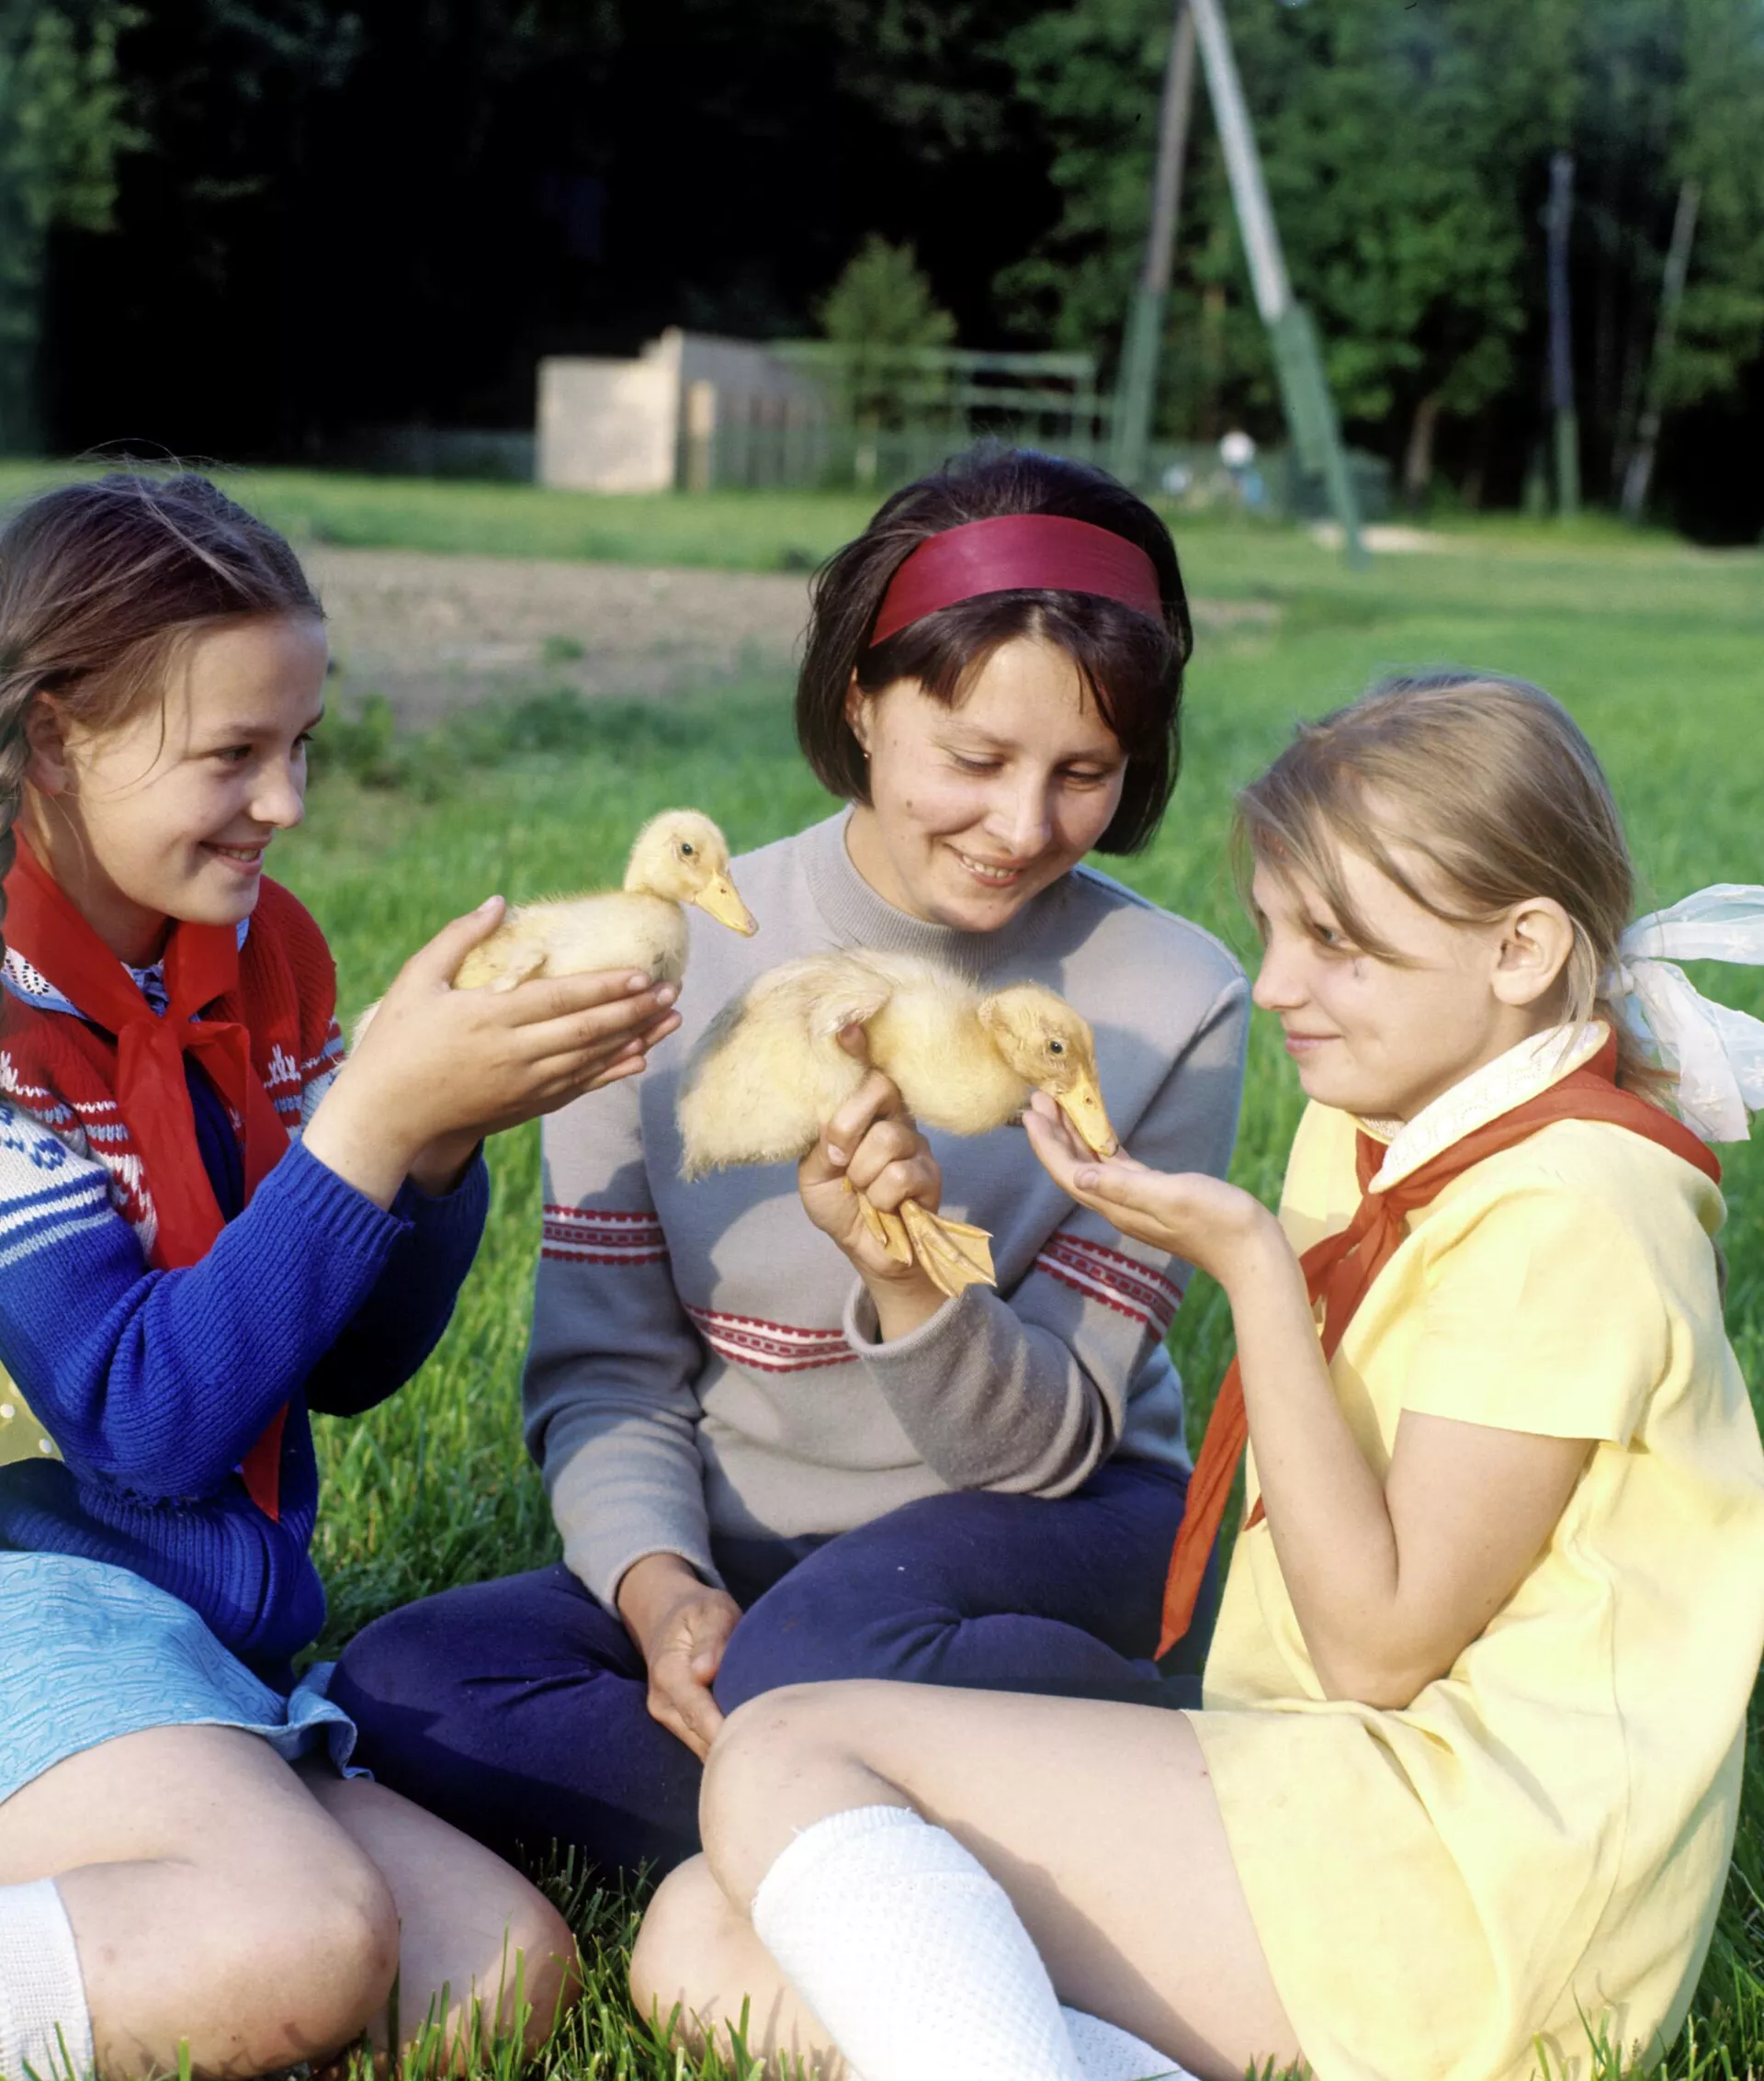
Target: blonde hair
1486,784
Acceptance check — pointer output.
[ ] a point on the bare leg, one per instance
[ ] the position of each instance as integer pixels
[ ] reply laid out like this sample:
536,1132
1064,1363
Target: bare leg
222,1900
691,1918
472,1928
213,1902
1098,1820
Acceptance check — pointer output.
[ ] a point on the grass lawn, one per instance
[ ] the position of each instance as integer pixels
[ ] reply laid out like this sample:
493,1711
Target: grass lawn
1654,647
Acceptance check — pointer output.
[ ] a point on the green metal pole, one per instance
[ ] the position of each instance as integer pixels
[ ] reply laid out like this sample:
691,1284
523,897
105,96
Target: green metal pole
1677,267
1305,391
1136,392
1567,432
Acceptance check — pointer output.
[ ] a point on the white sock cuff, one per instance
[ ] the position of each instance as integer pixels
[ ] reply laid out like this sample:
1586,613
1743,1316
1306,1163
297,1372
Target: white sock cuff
809,1847
1106,2053
43,2021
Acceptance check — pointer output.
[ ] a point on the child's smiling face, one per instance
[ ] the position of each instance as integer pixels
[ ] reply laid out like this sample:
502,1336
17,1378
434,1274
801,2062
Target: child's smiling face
1382,1037
167,815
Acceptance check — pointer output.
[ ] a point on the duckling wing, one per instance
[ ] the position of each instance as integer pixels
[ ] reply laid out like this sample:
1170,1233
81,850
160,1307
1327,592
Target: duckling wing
768,1072
928,1038
620,929
577,934
519,948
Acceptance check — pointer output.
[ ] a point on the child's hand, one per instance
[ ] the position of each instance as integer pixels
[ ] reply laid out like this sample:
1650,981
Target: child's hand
439,1069
1216,1227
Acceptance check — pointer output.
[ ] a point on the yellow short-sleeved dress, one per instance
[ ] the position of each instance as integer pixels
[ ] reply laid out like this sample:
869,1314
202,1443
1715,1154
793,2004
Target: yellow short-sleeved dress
1545,1833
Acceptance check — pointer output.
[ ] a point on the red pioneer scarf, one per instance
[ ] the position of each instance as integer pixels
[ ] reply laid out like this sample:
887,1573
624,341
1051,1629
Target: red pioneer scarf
201,965
1341,1269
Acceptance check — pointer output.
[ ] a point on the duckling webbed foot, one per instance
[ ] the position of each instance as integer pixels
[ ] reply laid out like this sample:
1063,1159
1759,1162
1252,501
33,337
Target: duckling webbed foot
888,1229
952,1254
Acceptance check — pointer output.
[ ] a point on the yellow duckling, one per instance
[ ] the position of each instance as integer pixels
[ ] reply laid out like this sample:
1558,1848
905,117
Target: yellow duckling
770,1072
679,857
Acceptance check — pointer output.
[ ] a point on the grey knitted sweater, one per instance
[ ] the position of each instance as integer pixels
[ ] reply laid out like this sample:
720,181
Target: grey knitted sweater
704,1359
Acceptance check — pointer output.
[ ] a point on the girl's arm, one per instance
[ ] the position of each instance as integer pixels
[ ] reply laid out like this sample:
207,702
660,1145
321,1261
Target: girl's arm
1390,1579
1028,1393
162,1381
408,1307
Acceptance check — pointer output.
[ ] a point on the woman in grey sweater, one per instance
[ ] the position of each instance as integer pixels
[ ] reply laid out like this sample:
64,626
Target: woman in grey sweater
774,1454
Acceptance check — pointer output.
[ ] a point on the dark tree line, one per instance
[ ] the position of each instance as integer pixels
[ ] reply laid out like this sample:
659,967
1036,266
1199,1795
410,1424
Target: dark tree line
245,227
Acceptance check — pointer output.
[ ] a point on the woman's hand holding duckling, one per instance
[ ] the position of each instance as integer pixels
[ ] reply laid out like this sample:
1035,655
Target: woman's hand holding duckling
871,1148
439,1069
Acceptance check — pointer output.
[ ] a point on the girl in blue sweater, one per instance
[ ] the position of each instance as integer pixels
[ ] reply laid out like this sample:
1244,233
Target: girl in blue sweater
209,1226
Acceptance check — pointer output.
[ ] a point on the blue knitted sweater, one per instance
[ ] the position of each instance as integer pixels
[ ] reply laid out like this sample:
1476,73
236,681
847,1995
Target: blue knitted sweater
154,1385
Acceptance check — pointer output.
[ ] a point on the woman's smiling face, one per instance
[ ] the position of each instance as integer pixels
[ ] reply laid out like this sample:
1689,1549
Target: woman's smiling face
976,807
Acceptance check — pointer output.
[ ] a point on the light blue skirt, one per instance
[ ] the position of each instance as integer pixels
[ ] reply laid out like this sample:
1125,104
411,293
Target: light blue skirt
88,1652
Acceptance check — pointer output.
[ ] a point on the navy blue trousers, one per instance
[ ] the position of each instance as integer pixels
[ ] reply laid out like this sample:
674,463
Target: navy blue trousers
516,1709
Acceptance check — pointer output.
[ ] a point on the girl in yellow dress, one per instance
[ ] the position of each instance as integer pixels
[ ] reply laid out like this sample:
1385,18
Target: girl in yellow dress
1463,1790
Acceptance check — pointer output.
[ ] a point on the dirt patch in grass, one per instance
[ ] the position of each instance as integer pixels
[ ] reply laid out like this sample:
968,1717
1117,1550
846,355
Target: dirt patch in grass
438,633
435,634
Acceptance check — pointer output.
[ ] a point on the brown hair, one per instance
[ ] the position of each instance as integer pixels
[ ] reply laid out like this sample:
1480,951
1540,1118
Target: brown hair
99,582
1131,664
1486,781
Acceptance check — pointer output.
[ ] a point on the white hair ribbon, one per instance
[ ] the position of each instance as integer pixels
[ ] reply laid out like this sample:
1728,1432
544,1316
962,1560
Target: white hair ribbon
1716,1053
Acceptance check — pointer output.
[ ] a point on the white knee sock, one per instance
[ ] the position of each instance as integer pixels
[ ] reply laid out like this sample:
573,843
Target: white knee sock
1106,2053
913,1956
910,1954
44,2026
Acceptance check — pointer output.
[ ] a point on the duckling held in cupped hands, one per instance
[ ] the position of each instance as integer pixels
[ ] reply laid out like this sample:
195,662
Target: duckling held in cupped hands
771,1071
679,857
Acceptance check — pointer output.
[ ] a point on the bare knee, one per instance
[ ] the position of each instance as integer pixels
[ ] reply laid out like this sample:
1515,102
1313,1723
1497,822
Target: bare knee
539,1967
774,1768
312,1957
687,1928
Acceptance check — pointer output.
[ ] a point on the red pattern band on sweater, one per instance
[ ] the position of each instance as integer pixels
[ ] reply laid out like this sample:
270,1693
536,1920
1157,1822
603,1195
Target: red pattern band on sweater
769,1347
1110,1276
598,1235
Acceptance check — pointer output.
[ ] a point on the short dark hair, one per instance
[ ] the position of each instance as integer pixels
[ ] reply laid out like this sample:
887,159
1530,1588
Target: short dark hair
1131,664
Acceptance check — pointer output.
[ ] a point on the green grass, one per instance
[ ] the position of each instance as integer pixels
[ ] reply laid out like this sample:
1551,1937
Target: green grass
1227,556
1654,647
732,530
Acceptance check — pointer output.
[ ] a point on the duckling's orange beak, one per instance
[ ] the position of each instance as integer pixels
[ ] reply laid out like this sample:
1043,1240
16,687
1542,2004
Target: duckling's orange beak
718,899
1082,1106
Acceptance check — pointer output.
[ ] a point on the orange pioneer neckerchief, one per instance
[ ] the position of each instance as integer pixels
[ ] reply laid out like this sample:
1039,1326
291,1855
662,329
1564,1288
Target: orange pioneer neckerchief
201,965
1340,1270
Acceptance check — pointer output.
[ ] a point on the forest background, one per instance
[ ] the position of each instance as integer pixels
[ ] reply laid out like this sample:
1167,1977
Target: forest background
248,228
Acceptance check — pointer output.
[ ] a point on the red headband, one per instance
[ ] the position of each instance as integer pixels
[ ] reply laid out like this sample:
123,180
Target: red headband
1018,552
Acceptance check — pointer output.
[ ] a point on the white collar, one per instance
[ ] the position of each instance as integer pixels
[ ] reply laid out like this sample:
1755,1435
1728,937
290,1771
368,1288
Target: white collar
1484,1095
33,988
